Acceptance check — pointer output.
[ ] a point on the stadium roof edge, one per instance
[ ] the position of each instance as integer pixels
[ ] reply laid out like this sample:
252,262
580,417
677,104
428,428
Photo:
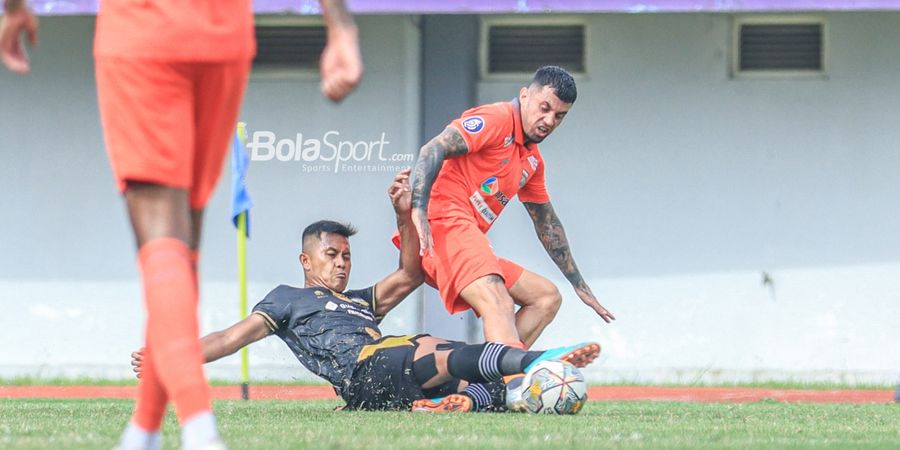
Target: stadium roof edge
311,7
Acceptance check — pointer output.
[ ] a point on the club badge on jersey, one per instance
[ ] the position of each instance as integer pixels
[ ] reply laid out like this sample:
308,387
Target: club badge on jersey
473,124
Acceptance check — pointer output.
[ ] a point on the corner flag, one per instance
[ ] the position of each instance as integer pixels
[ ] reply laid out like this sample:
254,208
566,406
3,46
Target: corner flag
240,216
240,198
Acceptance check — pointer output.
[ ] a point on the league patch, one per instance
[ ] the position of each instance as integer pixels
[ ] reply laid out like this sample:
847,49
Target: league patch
331,306
473,124
490,186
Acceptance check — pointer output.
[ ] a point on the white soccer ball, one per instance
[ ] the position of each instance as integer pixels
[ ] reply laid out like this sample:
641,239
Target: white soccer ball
554,387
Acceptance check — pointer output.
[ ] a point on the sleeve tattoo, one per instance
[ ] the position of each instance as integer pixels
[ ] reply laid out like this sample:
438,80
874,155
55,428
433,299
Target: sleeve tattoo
448,144
552,235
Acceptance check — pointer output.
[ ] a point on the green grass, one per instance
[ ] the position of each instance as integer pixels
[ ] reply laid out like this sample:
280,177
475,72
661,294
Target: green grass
810,385
274,425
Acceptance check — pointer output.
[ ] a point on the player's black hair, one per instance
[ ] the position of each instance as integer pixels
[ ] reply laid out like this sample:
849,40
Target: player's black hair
328,226
559,79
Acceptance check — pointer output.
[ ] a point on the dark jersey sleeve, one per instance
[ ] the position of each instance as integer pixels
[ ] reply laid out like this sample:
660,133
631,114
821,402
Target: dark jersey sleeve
276,307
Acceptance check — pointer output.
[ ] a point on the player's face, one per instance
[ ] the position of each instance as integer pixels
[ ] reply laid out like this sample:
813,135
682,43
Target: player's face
326,261
542,111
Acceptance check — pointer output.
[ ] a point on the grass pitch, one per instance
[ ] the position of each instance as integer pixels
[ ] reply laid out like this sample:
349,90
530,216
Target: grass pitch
274,425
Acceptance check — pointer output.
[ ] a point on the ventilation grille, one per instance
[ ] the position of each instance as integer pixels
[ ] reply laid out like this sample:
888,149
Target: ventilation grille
289,47
523,49
780,47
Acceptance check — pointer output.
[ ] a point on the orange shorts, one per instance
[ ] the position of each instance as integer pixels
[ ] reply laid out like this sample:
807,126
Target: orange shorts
461,255
168,122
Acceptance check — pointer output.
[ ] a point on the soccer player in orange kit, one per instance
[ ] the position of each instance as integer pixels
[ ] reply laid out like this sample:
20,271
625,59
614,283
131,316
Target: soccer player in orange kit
463,178
170,79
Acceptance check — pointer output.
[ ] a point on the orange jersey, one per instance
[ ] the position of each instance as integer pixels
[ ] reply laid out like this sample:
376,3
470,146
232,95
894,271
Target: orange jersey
176,30
498,166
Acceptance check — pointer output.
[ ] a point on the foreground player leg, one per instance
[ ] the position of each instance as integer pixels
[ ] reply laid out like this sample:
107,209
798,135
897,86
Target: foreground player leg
490,299
150,407
163,228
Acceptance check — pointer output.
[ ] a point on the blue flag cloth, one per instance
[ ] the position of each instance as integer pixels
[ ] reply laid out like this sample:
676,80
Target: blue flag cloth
240,198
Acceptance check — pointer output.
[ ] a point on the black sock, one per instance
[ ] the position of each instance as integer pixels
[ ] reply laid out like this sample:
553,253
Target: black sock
529,358
487,396
477,363
488,362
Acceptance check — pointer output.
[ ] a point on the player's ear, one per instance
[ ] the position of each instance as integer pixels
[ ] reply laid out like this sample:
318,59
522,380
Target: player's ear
523,93
304,261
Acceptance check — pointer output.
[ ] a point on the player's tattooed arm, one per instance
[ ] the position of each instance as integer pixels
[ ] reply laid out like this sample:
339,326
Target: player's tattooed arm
448,144
552,235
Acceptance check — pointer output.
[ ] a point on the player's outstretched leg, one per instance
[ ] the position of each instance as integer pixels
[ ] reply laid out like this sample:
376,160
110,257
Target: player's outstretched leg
482,365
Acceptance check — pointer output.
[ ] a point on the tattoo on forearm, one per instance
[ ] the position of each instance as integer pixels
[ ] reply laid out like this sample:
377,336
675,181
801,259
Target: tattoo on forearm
448,144
552,235
336,13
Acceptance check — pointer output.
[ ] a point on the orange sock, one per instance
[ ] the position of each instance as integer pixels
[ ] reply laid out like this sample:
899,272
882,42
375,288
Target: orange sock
195,268
150,407
170,296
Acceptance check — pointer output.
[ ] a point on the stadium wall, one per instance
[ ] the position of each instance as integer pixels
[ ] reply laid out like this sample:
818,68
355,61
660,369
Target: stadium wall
740,229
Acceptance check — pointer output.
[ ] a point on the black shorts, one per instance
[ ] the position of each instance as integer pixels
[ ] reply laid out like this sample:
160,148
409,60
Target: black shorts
384,378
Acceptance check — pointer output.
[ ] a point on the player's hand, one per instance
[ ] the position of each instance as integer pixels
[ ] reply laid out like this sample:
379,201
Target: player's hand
401,193
137,362
420,220
12,50
586,296
341,63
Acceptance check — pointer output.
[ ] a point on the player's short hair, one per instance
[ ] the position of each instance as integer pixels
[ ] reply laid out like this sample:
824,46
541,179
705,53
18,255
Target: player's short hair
316,229
559,79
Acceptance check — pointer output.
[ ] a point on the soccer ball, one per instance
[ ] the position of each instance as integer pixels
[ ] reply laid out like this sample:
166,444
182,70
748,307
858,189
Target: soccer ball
554,387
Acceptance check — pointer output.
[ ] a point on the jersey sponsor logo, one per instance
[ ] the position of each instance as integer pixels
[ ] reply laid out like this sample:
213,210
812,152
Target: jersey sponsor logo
533,161
473,124
524,178
502,198
482,208
490,186
361,314
509,140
